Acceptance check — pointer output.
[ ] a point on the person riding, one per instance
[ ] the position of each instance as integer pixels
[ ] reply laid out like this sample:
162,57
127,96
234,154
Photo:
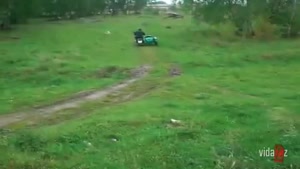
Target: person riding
139,34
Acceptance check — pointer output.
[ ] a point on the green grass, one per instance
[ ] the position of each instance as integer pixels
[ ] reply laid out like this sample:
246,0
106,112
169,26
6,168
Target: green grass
233,98
54,60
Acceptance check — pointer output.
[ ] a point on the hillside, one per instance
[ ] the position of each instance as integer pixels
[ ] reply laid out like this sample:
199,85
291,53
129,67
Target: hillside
231,99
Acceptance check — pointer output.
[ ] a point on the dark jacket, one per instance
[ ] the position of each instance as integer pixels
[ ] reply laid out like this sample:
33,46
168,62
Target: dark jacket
139,34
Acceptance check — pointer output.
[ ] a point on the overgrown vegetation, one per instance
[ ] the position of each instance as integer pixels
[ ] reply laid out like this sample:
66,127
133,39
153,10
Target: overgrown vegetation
19,11
263,19
259,18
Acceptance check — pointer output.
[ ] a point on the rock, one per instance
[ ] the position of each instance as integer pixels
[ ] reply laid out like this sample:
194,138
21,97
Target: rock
87,143
174,121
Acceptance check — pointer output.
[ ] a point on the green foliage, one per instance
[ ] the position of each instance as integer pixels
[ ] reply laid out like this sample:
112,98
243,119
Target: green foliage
227,31
18,11
139,4
222,32
282,13
265,30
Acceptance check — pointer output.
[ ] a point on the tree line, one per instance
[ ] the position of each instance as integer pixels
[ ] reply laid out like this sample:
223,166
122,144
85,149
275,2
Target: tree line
282,16
18,11
270,16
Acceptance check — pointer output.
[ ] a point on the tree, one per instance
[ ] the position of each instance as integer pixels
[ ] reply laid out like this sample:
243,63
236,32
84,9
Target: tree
243,13
18,11
139,4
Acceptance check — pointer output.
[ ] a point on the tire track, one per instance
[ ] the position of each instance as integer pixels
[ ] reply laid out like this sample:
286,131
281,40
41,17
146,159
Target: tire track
75,101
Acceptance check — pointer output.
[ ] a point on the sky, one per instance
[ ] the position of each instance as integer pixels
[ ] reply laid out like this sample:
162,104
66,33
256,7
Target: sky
168,1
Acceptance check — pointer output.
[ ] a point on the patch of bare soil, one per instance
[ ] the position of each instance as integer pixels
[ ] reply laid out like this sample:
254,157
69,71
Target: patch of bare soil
9,38
175,70
76,100
109,71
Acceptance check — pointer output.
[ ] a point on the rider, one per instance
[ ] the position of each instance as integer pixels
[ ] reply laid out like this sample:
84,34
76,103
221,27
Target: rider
139,34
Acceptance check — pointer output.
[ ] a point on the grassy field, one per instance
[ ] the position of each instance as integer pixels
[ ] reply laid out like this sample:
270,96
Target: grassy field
234,97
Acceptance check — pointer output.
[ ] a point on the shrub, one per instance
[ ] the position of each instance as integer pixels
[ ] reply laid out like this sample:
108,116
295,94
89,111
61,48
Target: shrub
226,31
264,30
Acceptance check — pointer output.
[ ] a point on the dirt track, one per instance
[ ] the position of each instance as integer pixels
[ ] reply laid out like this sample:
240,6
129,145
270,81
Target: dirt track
75,101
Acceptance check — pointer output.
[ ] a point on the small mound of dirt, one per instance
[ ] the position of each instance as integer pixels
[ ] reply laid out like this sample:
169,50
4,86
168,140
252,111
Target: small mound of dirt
109,71
267,56
9,38
175,70
145,24
219,43
140,71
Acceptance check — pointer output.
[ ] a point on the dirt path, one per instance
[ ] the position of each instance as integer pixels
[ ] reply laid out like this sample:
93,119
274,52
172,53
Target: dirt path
75,101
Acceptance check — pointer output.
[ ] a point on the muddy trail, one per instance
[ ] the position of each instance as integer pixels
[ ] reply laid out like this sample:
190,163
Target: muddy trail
74,101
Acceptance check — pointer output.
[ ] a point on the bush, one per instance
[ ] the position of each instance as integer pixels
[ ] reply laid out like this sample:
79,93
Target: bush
226,31
264,30
293,29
